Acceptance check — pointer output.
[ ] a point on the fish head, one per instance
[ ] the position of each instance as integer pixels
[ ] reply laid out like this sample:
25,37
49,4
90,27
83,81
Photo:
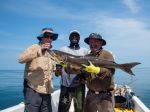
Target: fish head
59,55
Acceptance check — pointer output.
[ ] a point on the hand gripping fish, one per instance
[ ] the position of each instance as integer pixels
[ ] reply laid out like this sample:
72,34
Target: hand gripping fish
74,64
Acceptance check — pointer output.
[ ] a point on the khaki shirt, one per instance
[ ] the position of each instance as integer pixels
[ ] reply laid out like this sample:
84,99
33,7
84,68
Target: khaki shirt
104,80
38,69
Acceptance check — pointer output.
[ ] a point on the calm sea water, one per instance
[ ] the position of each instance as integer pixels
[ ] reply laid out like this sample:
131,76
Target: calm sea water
11,85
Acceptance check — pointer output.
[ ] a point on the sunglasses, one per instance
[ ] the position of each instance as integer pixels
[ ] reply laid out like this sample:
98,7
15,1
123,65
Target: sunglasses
48,35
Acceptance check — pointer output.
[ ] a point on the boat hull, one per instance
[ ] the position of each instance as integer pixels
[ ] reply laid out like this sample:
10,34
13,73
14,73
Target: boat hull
138,104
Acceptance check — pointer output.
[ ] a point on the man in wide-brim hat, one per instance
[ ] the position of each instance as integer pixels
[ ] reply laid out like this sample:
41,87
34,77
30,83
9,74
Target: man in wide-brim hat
48,32
100,82
38,73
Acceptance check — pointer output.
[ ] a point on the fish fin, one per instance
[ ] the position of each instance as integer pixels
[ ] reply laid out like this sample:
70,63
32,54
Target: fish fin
128,66
89,62
84,65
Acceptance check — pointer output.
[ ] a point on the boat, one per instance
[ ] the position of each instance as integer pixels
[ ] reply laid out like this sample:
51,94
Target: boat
126,101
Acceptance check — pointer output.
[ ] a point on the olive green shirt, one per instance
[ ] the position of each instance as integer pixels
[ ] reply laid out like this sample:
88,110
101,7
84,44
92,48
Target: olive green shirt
104,80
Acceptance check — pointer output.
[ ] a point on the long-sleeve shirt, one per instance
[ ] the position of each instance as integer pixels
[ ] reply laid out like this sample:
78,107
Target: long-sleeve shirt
104,80
38,69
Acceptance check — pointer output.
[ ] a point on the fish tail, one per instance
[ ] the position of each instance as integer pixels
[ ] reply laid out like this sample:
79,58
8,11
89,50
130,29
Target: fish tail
128,66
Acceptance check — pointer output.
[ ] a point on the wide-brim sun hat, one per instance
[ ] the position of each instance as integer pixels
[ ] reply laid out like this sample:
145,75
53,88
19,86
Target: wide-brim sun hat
95,36
47,31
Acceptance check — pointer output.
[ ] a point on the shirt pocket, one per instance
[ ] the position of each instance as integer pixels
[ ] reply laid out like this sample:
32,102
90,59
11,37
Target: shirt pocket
41,63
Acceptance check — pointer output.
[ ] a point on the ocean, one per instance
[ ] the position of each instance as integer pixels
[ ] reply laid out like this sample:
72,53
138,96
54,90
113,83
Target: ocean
11,85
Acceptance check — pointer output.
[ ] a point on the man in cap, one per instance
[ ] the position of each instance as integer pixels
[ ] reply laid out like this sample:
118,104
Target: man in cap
38,73
99,79
71,84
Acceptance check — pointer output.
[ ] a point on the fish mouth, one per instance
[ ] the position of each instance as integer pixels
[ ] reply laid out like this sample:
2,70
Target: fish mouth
57,56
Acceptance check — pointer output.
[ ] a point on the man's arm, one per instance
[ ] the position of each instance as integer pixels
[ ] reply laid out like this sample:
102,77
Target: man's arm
30,53
58,71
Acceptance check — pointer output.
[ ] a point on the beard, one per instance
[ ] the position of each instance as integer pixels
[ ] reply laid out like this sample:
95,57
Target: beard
95,48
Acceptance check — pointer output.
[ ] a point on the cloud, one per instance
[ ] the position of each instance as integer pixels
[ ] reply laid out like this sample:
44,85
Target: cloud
124,29
40,9
127,38
127,29
127,26
132,5
124,36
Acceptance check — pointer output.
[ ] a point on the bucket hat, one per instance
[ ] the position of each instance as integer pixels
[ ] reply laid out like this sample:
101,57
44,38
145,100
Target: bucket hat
95,36
47,32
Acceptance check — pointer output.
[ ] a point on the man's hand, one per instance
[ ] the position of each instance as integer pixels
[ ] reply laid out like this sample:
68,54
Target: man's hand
91,68
58,70
63,64
46,46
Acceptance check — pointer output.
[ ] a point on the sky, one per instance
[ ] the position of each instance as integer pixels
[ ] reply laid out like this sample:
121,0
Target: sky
124,24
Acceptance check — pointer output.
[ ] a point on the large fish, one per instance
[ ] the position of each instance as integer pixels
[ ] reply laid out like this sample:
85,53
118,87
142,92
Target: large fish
75,63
